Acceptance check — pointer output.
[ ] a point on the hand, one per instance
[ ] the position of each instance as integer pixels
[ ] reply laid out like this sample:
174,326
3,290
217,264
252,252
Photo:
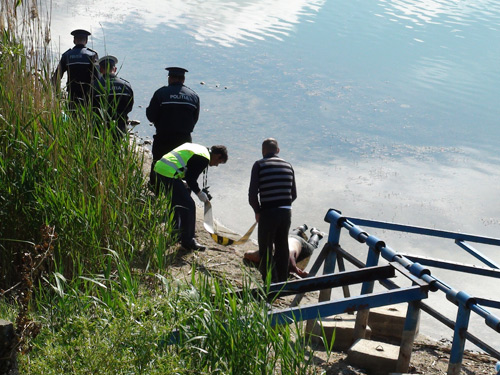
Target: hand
202,197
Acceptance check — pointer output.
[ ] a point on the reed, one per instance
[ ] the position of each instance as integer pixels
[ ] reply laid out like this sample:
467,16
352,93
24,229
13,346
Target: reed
57,169
128,330
83,246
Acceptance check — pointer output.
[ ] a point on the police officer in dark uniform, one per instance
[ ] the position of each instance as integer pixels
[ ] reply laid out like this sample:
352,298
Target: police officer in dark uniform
174,110
113,97
80,63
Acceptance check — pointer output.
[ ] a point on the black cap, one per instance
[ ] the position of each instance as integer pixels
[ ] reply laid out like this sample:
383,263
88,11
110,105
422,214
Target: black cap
174,71
108,61
80,32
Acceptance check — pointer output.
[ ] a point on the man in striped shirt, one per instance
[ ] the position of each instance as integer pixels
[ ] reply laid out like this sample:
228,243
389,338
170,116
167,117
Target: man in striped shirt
271,193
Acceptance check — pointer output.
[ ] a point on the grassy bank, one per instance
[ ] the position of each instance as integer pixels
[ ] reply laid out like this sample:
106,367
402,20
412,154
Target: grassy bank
84,245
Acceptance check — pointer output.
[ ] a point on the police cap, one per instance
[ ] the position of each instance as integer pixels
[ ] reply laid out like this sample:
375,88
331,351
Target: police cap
174,71
108,60
80,32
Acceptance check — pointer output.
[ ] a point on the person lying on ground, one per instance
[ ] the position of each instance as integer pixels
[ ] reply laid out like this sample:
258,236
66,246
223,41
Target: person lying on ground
300,248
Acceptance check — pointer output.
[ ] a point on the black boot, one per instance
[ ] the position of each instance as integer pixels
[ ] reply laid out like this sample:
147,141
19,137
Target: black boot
300,231
316,236
193,245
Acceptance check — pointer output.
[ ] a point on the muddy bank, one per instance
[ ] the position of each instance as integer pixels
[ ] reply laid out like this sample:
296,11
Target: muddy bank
429,356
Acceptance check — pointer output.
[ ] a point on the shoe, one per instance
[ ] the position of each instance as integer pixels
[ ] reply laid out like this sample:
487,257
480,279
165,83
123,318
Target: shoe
302,228
318,232
301,231
194,245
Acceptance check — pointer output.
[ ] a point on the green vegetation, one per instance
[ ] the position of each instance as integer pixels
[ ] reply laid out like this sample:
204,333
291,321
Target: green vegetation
84,247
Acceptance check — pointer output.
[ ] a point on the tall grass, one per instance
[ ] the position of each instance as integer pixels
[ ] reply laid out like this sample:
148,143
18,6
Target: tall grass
128,333
55,170
82,246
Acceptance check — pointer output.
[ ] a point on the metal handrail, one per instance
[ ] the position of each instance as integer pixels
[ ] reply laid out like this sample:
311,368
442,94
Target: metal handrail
466,303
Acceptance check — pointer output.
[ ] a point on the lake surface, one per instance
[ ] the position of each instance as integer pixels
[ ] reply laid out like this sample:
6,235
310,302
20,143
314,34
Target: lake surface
388,110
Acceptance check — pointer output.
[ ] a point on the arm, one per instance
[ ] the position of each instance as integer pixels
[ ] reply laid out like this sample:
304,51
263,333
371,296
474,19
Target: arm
56,77
61,68
195,166
130,104
253,190
294,187
153,109
295,248
293,268
197,112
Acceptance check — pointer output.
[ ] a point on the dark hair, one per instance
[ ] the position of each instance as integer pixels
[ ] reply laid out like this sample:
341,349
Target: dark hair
107,65
219,150
270,145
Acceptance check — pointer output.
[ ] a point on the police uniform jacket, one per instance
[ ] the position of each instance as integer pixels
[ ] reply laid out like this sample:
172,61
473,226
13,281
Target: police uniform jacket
174,109
80,63
115,97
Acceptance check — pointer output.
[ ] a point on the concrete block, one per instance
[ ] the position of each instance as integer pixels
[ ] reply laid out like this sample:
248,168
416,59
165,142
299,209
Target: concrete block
387,322
343,325
8,363
376,357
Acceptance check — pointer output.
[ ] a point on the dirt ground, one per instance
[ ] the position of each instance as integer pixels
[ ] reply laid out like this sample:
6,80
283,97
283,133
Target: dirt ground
428,356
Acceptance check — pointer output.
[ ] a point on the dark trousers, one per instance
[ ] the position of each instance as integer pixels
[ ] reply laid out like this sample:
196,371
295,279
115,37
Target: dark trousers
163,145
183,206
307,247
274,225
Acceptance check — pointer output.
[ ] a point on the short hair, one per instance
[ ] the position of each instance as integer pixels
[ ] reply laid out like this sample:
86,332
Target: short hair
219,150
176,79
270,145
80,39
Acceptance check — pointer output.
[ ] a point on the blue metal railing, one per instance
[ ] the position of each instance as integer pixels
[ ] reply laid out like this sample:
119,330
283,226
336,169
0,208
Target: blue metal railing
412,267
466,303
459,238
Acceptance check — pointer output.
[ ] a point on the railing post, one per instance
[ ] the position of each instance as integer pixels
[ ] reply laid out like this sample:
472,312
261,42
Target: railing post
459,335
408,336
374,245
345,288
334,218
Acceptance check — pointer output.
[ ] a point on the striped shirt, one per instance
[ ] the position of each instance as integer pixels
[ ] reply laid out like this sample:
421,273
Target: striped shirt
272,184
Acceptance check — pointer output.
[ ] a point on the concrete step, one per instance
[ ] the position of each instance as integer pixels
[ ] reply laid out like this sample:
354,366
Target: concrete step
387,322
342,325
376,357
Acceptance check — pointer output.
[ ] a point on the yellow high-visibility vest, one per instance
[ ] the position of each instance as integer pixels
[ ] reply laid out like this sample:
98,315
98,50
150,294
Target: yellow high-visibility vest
174,164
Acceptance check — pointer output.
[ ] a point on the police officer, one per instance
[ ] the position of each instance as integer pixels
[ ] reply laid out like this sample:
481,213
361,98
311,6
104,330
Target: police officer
186,163
174,111
113,96
80,63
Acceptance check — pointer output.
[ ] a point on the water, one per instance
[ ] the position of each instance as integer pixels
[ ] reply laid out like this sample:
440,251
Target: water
388,110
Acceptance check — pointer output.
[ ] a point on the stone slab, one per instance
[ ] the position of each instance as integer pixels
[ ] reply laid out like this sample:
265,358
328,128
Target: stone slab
376,357
342,325
387,322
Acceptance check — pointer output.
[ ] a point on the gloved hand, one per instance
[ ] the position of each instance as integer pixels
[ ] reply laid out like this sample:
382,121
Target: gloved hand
202,196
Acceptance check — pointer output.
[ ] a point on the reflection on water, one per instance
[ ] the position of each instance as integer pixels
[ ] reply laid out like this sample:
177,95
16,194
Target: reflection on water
388,110
223,22
452,13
